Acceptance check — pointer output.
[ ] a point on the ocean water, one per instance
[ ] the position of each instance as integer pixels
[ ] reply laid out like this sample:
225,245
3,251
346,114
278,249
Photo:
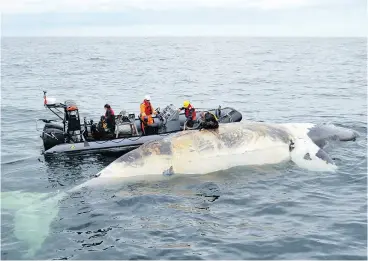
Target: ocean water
265,212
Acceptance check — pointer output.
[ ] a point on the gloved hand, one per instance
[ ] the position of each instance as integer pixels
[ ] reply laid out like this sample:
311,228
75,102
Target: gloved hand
145,118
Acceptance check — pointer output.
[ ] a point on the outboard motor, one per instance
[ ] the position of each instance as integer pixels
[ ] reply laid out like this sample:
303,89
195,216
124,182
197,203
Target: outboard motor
52,135
73,127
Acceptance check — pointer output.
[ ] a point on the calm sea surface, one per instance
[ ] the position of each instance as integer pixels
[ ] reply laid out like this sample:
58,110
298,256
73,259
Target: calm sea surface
268,212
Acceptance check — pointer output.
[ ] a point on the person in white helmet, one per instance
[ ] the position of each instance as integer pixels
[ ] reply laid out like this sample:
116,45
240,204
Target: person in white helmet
147,111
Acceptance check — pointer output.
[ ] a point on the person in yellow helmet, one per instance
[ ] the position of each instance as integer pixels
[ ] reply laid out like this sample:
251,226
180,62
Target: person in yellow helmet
190,113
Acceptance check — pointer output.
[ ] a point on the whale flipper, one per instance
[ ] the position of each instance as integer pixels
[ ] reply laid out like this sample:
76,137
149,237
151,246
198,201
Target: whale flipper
306,154
168,172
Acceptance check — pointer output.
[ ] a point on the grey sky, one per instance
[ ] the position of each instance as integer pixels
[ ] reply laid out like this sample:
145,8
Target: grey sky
344,18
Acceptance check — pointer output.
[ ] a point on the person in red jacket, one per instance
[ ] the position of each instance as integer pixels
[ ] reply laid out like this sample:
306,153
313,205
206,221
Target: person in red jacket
190,113
110,118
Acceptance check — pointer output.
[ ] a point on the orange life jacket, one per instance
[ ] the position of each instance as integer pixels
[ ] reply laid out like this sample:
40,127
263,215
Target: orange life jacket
146,110
146,107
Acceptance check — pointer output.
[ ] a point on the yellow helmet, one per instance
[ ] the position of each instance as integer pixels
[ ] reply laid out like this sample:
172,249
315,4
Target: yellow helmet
186,104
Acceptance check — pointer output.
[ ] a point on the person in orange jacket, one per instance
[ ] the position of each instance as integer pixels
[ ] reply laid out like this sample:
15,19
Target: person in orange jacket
147,111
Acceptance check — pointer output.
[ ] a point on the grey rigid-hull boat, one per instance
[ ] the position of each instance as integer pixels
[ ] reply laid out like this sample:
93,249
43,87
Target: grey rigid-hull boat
71,135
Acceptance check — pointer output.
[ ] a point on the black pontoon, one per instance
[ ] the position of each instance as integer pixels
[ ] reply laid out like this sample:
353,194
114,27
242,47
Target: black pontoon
71,135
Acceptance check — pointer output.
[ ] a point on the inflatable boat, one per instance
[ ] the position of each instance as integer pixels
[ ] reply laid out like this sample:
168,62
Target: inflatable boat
73,135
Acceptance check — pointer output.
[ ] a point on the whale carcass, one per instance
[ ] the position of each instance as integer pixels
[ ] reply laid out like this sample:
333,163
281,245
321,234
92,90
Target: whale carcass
195,152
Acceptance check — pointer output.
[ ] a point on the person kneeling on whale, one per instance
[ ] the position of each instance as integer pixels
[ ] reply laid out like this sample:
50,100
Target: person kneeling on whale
208,121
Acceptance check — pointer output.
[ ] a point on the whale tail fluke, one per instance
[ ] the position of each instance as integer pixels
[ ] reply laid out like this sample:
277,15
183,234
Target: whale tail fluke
321,134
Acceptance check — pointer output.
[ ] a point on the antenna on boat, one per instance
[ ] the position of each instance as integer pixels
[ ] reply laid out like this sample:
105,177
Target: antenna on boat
44,98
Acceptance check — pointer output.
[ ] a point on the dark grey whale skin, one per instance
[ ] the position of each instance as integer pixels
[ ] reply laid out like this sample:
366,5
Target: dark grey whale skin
322,133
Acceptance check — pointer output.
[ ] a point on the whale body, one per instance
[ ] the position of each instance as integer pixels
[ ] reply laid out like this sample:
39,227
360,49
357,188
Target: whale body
235,144
197,152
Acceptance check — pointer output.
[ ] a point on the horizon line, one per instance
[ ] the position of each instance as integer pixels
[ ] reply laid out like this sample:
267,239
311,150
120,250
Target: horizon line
178,36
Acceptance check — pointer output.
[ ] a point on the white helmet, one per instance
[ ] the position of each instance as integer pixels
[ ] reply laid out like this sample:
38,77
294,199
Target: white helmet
147,97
